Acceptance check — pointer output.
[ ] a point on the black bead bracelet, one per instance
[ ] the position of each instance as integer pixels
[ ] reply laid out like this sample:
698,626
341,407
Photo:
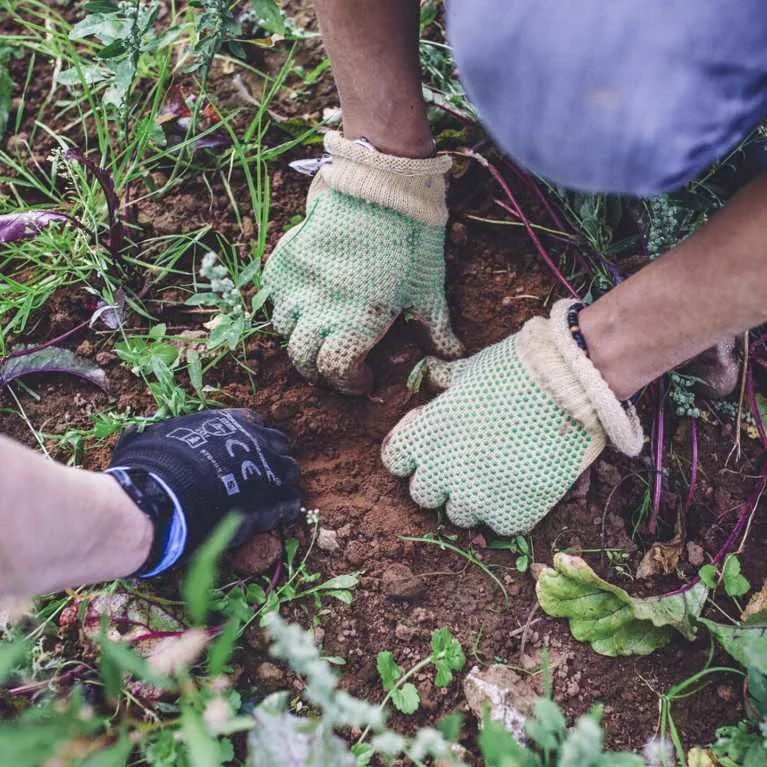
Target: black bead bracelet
575,330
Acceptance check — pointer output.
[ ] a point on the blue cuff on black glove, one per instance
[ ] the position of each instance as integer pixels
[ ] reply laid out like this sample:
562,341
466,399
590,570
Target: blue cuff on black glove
188,473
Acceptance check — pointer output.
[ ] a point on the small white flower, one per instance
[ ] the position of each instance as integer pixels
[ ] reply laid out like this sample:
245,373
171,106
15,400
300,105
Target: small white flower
312,516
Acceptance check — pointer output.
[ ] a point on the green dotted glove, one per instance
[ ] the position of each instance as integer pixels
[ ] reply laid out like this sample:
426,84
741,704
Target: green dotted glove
519,422
370,247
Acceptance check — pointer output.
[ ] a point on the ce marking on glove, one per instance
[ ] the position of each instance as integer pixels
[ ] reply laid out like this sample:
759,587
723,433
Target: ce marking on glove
248,469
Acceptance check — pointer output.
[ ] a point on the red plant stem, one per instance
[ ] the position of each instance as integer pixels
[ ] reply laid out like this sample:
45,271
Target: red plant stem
560,223
744,512
211,631
52,342
278,568
747,507
511,211
105,181
652,524
538,192
693,463
275,576
35,686
526,223
156,635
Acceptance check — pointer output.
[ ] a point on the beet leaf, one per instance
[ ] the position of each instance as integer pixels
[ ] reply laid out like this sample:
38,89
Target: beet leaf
26,224
52,359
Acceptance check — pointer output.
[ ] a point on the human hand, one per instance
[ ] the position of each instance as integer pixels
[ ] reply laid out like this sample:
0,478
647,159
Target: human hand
370,247
188,473
517,424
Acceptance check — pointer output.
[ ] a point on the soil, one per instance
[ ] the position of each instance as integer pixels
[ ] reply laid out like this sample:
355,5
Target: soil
496,282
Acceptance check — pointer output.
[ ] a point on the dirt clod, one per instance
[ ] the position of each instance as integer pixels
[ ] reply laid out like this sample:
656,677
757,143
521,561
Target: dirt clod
327,540
257,555
270,675
399,583
607,474
356,553
404,633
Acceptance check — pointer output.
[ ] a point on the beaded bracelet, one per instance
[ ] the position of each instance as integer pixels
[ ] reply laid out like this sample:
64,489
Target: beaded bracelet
575,330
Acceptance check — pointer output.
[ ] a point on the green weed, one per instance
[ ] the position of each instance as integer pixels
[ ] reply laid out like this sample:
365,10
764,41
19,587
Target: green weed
446,656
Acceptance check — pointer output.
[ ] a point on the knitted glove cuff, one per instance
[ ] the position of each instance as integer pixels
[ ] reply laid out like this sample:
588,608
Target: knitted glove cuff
567,375
413,187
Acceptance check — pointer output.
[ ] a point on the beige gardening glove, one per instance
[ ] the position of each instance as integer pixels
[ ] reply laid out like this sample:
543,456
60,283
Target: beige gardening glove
370,247
516,426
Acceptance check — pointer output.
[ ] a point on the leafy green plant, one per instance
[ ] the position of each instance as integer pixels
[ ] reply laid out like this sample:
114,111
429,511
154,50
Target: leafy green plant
6,87
744,744
518,545
233,319
735,584
604,615
126,31
216,28
156,361
253,601
446,656
313,741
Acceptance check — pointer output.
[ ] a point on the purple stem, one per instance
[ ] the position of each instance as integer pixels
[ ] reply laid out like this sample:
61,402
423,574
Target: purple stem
52,342
693,463
501,204
448,110
104,179
211,631
156,635
557,219
652,525
744,512
538,192
278,568
530,231
39,685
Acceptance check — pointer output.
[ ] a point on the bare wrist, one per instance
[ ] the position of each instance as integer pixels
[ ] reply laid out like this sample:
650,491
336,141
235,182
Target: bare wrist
601,330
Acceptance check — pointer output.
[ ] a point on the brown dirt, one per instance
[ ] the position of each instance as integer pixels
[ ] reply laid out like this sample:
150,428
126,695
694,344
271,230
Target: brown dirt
495,283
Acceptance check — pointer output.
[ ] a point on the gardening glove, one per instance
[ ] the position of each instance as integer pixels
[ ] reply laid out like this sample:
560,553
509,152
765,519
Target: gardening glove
370,247
188,473
519,422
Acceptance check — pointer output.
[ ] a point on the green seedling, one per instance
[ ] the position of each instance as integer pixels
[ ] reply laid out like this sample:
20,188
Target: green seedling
156,361
735,584
518,545
446,657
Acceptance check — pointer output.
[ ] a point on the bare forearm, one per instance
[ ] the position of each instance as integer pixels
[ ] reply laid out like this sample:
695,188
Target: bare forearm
373,47
701,293
62,526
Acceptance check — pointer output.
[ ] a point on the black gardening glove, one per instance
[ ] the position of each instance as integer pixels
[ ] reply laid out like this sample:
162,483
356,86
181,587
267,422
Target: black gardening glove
187,473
